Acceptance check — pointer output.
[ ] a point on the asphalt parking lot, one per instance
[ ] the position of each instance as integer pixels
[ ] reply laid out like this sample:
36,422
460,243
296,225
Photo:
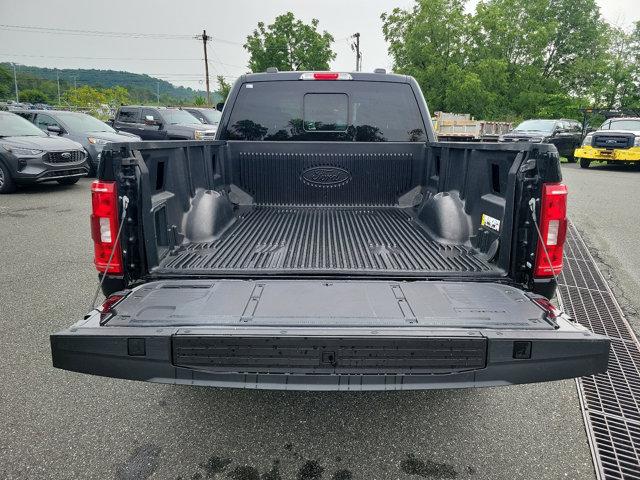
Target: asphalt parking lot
58,424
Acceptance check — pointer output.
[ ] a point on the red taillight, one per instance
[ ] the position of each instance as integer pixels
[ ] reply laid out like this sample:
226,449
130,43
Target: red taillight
553,229
106,309
104,227
551,310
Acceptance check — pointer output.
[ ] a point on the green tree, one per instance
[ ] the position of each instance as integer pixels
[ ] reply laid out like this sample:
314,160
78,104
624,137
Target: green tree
617,83
33,96
116,96
509,59
86,97
6,82
426,42
557,38
199,101
289,44
224,88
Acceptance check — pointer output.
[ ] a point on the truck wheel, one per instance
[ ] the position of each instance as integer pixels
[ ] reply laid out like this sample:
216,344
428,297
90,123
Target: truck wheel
68,181
7,184
585,162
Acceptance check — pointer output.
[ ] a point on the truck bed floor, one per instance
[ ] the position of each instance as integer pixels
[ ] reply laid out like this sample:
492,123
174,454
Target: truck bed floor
315,239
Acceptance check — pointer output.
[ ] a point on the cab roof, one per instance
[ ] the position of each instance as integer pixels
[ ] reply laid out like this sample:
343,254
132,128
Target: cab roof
361,76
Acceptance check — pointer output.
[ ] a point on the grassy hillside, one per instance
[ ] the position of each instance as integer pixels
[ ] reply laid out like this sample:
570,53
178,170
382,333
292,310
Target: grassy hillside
142,88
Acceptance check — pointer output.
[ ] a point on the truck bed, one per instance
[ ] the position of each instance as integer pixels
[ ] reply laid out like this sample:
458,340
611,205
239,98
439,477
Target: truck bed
294,254
315,239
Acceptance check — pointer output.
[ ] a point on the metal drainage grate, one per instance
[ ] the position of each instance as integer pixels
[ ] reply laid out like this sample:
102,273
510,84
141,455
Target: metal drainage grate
611,401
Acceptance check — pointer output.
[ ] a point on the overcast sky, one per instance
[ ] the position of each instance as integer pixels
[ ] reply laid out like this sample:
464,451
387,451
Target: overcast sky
179,59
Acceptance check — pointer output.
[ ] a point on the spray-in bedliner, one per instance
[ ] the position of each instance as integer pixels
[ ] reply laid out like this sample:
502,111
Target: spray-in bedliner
353,239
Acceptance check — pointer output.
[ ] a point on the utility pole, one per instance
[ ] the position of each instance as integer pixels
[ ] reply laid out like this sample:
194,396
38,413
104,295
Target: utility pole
15,82
158,92
205,38
355,46
58,80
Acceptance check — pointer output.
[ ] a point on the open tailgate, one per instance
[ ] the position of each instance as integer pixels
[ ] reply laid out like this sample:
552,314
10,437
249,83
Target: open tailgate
330,335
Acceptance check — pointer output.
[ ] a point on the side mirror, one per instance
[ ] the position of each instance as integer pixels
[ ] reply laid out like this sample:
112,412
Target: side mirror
54,129
220,106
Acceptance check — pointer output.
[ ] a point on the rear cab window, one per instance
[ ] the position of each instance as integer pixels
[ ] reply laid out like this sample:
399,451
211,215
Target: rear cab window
297,110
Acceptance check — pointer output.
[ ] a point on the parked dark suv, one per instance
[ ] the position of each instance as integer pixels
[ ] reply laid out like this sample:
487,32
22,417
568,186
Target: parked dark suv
29,155
158,123
565,134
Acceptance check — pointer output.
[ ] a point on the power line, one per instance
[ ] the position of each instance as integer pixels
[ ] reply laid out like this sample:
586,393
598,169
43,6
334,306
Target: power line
220,62
119,58
65,31
99,33
98,58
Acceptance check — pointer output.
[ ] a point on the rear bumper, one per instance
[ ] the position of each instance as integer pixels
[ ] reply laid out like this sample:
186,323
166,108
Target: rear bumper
337,359
620,155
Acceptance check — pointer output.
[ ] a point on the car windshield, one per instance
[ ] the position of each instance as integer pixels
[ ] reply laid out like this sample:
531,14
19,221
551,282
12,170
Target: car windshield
536,126
176,117
83,123
212,116
12,125
623,124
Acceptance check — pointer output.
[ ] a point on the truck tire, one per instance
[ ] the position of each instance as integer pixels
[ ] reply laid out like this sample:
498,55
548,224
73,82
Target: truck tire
7,184
68,181
585,162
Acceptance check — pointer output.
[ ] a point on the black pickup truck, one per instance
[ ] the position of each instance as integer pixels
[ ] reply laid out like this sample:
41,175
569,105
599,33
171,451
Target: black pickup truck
326,241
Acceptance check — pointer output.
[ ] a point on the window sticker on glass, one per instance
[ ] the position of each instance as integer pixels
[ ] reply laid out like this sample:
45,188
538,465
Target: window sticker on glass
249,85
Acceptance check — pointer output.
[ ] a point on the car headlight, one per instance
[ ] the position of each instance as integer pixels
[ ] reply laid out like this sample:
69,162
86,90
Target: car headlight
636,142
23,152
589,138
198,134
97,141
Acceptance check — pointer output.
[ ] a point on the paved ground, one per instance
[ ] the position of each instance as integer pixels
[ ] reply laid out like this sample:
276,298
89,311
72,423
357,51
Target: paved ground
57,424
604,203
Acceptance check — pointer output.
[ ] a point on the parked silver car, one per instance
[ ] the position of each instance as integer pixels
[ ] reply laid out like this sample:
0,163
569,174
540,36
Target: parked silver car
29,155
90,132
